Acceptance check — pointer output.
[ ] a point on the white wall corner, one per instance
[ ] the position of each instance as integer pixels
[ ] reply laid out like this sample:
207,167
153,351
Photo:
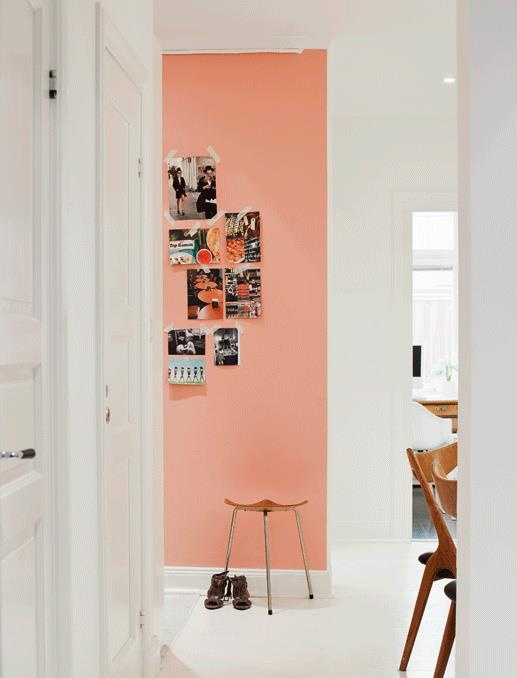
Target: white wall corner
284,583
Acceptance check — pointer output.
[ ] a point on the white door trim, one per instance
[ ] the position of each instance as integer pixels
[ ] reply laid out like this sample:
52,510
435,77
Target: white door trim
404,204
109,40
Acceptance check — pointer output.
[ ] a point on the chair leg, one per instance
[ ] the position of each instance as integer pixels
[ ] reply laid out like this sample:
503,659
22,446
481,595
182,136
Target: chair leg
230,539
304,554
268,571
447,643
421,601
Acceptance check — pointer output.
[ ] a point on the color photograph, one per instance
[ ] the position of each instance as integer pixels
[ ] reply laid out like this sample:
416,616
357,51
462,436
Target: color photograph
243,293
203,247
242,237
187,371
187,342
192,188
205,294
226,346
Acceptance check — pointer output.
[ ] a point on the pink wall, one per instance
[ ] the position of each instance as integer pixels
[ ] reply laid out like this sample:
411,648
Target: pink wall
258,430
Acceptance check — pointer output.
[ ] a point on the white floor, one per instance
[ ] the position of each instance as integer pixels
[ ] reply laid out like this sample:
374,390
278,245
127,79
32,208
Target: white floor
357,634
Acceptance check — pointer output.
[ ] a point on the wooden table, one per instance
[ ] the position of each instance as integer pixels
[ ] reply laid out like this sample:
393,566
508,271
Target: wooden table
444,408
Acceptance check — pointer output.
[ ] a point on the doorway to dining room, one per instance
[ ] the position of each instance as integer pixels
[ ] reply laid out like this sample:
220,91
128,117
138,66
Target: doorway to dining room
434,237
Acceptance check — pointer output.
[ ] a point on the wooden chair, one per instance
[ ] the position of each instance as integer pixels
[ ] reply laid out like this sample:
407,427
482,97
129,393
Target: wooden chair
439,564
447,493
446,488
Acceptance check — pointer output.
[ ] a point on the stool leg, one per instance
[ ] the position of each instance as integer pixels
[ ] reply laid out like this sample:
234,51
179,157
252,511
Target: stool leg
230,538
302,544
268,571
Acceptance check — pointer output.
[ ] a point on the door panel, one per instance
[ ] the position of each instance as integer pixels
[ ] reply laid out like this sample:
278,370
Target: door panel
24,532
121,317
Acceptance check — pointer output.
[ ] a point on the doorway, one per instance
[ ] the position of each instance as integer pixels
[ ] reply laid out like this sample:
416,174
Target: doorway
121,365
435,340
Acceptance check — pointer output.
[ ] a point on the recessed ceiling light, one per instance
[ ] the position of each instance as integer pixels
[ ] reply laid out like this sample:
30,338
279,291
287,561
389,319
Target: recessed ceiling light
449,80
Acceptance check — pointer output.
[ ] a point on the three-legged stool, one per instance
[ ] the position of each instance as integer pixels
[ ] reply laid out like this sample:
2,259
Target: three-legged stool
265,507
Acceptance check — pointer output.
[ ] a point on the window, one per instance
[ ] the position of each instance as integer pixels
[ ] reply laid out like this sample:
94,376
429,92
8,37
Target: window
435,318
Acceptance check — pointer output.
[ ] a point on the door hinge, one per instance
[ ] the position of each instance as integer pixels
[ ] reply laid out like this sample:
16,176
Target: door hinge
142,618
52,84
140,167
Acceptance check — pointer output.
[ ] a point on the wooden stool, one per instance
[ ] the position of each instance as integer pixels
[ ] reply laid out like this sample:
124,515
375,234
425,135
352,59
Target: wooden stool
267,506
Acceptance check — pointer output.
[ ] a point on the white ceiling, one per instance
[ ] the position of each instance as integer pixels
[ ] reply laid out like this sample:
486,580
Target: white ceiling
273,24
393,54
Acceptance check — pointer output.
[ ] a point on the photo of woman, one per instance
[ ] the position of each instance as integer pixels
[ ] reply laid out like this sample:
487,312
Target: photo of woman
207,202
192,187
179,185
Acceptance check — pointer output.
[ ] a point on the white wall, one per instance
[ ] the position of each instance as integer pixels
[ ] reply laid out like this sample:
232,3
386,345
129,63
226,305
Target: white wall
385,152
487,523
76,111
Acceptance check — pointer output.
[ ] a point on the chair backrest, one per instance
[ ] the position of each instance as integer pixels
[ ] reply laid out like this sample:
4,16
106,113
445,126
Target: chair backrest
428,430
421,465
447,489
447,457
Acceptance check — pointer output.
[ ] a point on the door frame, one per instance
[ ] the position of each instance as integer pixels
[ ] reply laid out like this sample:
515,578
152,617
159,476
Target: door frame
109,40
404,204
47,421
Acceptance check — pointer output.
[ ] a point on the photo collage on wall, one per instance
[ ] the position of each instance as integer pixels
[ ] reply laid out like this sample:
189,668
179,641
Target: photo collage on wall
213,293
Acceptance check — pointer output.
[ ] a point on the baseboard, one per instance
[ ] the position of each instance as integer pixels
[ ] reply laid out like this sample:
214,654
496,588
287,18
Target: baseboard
284,583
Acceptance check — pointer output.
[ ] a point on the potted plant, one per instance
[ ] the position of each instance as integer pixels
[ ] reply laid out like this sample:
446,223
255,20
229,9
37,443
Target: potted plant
448,385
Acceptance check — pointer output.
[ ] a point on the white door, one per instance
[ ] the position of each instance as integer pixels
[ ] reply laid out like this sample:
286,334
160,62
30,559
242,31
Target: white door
121,196
25,535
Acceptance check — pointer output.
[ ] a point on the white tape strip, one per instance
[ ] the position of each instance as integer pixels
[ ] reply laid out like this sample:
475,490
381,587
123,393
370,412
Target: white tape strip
243,213
168,217
208,330
205,268
194,229
170,156
216,218
168,328
212,152
239,327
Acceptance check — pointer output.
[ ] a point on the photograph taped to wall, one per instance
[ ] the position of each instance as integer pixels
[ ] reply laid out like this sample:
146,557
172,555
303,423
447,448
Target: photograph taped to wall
205,294
192,187
243,293
226,346
187,341
243,237
203,247
187,371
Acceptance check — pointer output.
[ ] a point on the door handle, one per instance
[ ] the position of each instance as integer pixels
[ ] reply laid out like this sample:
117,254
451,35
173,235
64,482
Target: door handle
107,415
18,454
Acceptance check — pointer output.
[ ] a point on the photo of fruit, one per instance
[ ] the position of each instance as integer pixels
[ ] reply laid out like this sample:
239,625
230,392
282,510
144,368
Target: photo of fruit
203,247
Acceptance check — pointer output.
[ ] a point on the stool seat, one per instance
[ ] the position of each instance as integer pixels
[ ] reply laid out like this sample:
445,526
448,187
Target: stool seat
264,505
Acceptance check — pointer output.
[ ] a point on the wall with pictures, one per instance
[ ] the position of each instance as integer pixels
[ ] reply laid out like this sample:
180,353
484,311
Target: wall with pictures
254,428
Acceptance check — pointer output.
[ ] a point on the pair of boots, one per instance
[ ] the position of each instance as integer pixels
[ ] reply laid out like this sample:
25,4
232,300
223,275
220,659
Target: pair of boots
224,587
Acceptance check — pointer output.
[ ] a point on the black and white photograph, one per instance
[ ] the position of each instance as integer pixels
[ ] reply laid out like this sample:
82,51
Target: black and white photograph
242,237
187,341
192,188
243,293
226,346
